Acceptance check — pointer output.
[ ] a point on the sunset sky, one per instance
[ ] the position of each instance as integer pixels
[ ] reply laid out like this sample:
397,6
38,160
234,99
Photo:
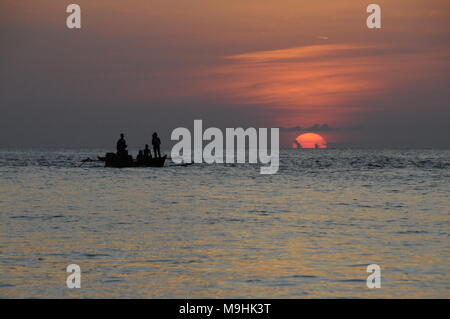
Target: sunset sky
140,66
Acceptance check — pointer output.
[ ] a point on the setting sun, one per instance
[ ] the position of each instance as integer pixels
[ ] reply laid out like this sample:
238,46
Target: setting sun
309,140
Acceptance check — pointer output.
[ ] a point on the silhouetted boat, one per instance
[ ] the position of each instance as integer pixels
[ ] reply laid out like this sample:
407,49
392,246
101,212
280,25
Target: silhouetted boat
112,160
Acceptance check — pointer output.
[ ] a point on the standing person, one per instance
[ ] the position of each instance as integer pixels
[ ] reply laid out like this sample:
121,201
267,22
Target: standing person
156,142
121,145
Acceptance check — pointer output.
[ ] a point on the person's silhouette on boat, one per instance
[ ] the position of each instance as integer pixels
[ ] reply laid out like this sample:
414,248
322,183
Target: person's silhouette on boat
156,142
147,152
140,157
122,146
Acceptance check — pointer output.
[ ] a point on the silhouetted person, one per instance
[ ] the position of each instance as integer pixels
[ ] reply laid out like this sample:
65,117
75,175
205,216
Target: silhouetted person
140,157
156,142
122,146
147,152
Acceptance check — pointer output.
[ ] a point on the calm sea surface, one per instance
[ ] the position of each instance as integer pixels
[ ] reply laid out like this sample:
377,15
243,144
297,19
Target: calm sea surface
225,230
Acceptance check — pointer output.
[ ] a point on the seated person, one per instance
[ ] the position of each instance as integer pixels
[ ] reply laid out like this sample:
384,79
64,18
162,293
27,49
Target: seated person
147,153
140,156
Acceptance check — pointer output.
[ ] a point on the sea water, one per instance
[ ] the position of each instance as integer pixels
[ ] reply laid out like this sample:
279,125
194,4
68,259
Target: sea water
224,230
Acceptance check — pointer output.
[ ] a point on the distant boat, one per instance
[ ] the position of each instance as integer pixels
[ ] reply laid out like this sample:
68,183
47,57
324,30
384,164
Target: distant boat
112,160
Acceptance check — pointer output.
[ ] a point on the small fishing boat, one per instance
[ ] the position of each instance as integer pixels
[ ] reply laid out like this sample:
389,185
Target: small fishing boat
113,160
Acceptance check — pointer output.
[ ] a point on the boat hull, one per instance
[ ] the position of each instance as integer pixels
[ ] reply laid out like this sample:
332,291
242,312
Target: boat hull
115,161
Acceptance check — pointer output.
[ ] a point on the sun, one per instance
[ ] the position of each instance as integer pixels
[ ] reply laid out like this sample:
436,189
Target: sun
309,140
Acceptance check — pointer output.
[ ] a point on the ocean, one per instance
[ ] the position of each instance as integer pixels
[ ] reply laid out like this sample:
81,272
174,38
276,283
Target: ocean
224,230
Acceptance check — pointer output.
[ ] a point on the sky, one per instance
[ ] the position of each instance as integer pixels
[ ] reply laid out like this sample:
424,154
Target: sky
140,66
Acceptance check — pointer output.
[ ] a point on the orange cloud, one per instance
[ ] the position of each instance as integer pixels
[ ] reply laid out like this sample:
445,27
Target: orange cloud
314,81
329,83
